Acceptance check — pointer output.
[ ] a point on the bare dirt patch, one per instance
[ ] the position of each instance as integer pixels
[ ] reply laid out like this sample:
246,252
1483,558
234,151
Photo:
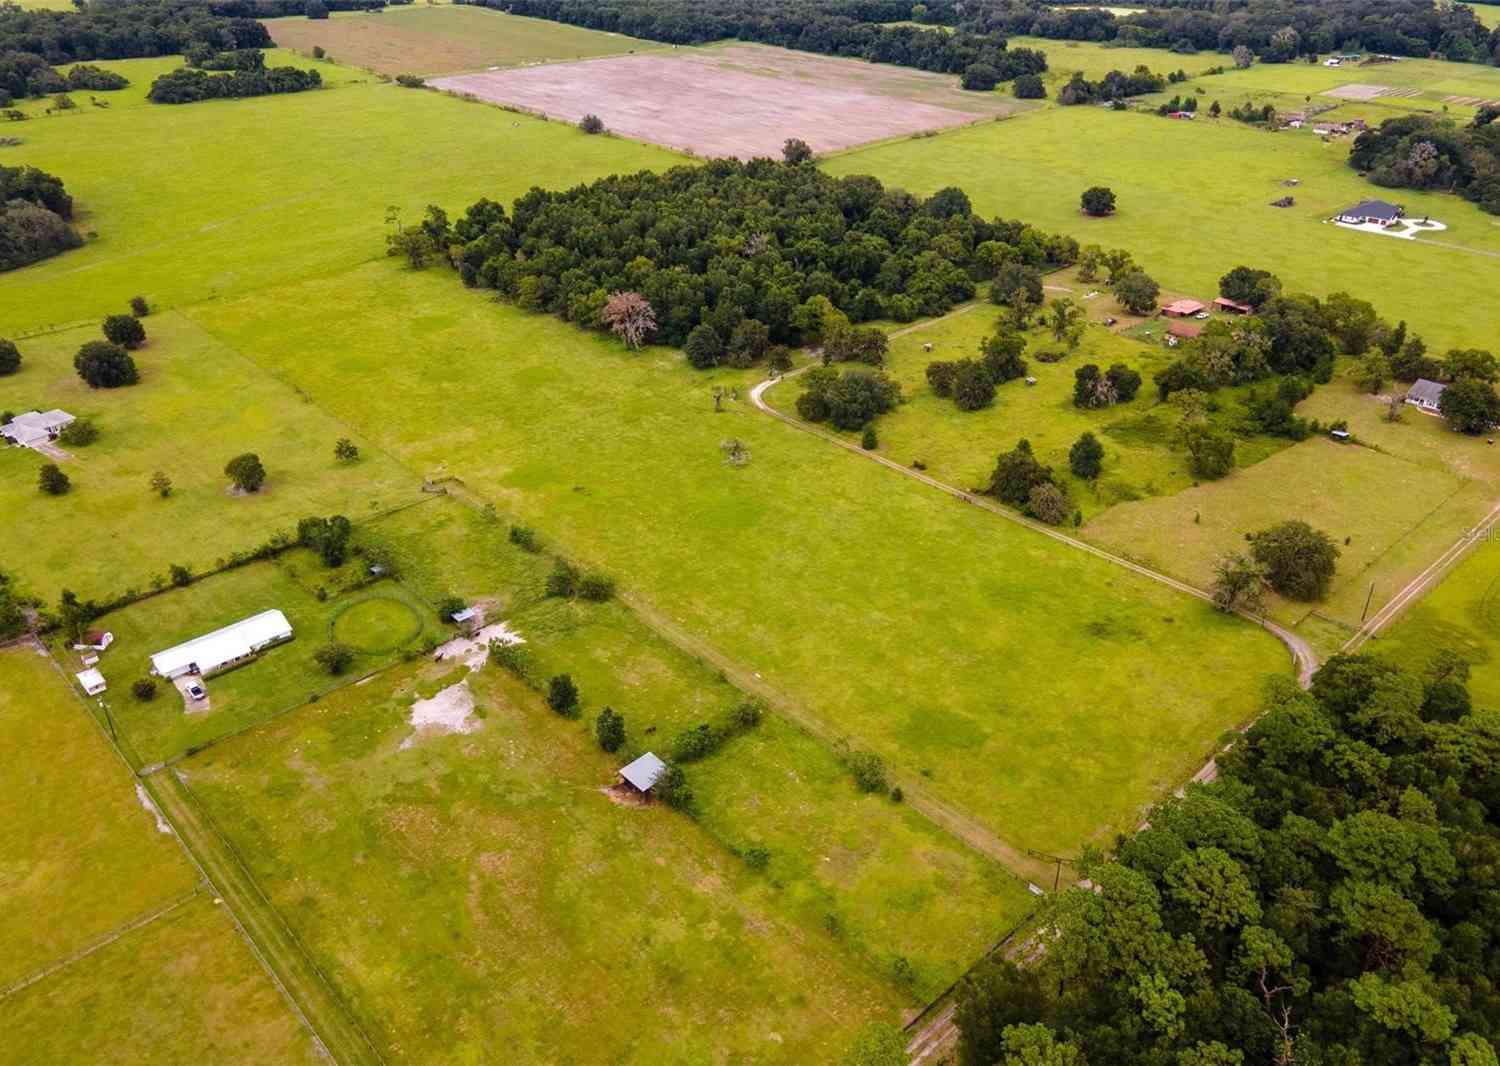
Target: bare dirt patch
450,711
738,100
1364,91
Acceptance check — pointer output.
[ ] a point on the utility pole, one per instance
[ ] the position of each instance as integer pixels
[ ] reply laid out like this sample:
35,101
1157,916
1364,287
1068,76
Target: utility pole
1370,596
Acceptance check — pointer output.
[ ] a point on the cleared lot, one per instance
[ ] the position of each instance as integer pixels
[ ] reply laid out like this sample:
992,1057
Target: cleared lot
738,100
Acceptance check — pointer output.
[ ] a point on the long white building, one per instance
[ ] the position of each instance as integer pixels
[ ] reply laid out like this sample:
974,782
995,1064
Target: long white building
223,648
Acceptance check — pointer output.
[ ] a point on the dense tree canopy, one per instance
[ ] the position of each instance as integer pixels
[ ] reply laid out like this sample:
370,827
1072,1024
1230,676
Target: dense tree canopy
832,27
1431,152
105,365
127,29
1331,898
730,243
187,85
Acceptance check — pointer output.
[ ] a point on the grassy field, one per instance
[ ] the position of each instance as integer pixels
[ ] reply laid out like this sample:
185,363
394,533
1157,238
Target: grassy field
1462,614
189,220
1187,225
617,457
281,678
504,901
109,950
898,887
960,447
198,404
447,38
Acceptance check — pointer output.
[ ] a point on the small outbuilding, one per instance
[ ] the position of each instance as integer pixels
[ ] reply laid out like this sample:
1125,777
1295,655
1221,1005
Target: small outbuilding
223,648
1182,309
1233,307
1426,395
36,427
1374,212
642,774
470,619
92,681
1184,330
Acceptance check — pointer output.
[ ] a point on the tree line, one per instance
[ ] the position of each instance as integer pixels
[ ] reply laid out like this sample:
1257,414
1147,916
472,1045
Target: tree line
1277,31
1432,152
1330,898
35,210
187,85
762,253
23,74
126,29
851,28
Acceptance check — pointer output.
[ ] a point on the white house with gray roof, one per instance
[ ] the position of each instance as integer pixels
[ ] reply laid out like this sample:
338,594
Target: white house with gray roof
35,427
1426,395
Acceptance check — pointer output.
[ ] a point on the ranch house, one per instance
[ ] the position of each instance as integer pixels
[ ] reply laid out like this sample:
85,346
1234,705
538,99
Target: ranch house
1377,212
1426,395
1182,309
223,648
35,427
1232,307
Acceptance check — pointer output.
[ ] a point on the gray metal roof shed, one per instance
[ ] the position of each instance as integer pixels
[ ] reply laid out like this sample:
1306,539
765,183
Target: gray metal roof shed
644,772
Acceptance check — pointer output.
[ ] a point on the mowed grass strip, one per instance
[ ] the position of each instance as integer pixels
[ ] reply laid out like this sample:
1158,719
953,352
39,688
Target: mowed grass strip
191,219
1046,691
197,405
896,886
184,988
81,855
479,895
1194,201
445,38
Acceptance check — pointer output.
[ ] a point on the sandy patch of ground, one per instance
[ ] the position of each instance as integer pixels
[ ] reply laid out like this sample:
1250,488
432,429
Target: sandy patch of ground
473,651
738,100
450,711
190,705
625,796
162,826
1404,229
1471,101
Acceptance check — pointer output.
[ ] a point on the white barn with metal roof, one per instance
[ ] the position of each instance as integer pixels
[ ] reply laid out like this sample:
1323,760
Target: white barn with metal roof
223,648
36,427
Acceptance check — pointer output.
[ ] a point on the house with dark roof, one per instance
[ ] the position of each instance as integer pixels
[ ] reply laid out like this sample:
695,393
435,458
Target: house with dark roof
1370,211
1426,395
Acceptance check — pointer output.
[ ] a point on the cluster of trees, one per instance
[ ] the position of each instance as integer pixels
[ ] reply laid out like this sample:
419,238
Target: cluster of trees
26,74
1277,31
833,27
972,382
656,255
188,85
702,740
126,29
270,9
1116,85
1093,388
12,608
34,213
1331,898
848,400
329,537
1431,152
1021,481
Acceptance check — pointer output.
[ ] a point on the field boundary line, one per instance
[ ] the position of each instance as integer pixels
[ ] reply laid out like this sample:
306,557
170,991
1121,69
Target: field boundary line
99,943
944,816
336,1032
1304,659
1423,582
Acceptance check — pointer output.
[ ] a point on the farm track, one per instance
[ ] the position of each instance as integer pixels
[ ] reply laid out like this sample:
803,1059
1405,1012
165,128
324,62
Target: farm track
337,1035
1304,659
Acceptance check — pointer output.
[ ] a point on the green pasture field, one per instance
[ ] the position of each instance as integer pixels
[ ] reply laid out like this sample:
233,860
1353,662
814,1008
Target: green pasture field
80,856
131,964
198,214
1093,61
280,678
198,404
1461,614
898,886
960,447
445,39
1194,201
481,891
617,457
184,988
